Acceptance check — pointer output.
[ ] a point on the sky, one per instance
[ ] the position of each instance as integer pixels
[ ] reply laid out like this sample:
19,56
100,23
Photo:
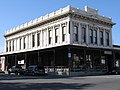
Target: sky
17,12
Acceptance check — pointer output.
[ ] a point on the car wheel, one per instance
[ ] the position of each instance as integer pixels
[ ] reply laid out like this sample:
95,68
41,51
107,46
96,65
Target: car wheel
9,72
116,73
16,73
33,73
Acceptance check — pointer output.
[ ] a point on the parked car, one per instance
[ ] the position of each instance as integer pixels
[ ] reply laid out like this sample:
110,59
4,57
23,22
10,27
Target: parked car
115,70
15,69
35,70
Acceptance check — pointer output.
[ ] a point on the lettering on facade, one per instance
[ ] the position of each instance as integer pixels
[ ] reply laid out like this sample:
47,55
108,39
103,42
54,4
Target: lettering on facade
21,62
108,52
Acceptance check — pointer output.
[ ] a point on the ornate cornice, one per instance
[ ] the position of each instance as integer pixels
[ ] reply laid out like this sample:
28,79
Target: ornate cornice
91,19
88,15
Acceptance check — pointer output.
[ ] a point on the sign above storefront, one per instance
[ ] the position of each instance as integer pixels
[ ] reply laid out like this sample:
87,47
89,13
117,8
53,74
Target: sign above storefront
21,62
108,52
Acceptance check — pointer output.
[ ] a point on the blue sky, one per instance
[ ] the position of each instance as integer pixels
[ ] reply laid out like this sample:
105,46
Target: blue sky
17,12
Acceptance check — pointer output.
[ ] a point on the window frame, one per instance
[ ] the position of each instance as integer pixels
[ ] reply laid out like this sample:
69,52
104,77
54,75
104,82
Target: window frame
101,38
75,33
83,35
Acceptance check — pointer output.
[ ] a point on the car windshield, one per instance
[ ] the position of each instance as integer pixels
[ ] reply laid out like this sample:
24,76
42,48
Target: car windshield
35,67
16,67
31,67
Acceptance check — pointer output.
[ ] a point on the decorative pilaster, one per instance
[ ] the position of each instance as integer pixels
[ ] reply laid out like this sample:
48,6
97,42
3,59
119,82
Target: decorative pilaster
47,37
98,36
104,38
87,35
60,34
79,34
36,39
22,43
110,38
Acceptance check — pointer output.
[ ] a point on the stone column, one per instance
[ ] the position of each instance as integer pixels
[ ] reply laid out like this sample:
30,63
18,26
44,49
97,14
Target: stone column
98,36
35,39
6,45
31,40
71,31
22,44
110,38
26,41
15,45
40,38
47,37
67,33
79,34
104,38
60,34
18,44
87,35
53,36
11,45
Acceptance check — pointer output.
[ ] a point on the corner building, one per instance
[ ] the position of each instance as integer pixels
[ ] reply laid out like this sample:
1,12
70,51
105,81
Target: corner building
69,41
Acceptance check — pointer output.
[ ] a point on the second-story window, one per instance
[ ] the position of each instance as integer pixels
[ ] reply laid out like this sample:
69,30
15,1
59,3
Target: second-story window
9,45
76,33
83,35
33,40
91,36
95,37
101,37
13,45
6,46
50,36
20,43
56,35
38,39
64,33
107,39
24,42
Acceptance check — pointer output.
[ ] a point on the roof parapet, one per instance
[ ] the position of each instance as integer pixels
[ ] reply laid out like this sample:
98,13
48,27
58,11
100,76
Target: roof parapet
91,10
88,12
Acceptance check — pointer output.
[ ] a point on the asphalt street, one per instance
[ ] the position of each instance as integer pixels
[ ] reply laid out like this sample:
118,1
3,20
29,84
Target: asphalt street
13,82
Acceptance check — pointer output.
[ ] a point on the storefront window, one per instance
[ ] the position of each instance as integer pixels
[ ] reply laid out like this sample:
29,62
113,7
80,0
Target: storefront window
78,62
103,60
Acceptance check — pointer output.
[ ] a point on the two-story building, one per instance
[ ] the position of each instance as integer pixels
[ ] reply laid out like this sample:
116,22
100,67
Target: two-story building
69,40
